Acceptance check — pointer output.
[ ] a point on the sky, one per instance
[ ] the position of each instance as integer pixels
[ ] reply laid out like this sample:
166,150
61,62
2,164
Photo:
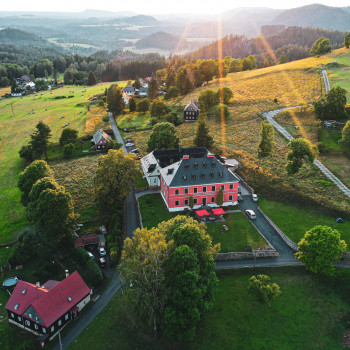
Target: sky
156,6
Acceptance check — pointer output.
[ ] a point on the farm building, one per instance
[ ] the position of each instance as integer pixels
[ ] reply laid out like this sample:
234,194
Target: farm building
45,310
191,111
100,139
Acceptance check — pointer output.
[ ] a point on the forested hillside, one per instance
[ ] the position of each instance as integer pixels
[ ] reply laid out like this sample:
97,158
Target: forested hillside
162,40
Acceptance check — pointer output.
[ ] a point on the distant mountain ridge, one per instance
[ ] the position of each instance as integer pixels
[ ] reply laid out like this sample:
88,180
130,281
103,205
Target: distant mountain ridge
315,16
162,40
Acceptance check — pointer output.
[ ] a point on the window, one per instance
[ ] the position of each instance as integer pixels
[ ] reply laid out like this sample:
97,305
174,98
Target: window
12,315
52,328
44,330
36,326
66,317
186,190
230,198
222,187
59,322
204,189
27,323
186,202
19,318
177,203
195,190
213,199
231,187
213,188
177,191
30,316
195,201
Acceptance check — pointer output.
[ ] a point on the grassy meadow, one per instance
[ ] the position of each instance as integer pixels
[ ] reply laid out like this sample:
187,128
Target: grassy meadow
15,128
311,313
291,84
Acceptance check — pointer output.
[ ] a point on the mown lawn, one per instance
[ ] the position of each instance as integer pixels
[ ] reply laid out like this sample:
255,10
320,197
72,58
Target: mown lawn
241,233
295,221
331,138
141,182
310,314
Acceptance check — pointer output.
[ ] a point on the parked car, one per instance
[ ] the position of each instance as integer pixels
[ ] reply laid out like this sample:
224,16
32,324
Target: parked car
254,197
240,198
102,251
129,144
91,255
251,214
102,262
136,150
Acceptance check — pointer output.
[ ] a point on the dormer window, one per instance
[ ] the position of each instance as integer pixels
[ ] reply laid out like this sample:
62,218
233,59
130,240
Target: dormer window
203,176
213,164
16,306
185,178
204,164
194,176
69,299
187,166
24,291
211,174
196,165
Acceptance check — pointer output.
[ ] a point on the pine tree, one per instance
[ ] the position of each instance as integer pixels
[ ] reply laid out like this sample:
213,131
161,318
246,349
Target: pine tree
203,138
220,198
267,141
137,83
92,79
152,88
40,139
132,104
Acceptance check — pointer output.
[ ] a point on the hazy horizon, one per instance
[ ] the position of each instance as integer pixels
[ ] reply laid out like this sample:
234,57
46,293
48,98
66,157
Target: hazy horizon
154,7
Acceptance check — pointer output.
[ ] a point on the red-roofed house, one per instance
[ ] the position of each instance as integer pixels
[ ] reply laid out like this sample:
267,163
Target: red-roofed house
45,310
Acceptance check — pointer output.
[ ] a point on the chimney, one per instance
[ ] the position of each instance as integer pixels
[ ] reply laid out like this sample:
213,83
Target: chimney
38,284
67,273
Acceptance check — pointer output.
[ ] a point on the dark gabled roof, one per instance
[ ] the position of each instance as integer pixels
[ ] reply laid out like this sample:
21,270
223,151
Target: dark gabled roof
197,171
192,105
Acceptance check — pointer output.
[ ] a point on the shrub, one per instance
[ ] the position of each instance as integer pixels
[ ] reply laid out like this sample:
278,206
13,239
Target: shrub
262,286
154,121
143,105
68,150
68,135
173,92
92,274
220,111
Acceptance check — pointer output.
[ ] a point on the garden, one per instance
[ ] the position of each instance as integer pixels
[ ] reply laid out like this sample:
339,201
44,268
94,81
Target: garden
311,311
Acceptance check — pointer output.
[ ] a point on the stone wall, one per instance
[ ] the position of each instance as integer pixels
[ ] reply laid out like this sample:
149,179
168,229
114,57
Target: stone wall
266,253
287,240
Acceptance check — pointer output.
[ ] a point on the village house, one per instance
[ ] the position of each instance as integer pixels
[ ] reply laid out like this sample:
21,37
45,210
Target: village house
129,89
99,140
45,310
126,98
191,111
23,80
181,173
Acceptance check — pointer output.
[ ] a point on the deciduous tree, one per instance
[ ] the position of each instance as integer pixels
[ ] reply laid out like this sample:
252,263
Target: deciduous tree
115,176
225,94
68,135
264,288
208,98
320,248
345,139
172,92
68,150
153,88
300,150
92,79
115,101
132,104
207,69
31,174
267,141
347,41
143,105
321,47
158,109
163,136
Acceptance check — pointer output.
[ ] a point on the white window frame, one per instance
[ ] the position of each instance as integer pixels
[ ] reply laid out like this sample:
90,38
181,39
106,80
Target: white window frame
231,186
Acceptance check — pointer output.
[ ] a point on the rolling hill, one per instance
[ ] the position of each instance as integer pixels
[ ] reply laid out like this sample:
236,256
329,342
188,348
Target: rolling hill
162,40
316,16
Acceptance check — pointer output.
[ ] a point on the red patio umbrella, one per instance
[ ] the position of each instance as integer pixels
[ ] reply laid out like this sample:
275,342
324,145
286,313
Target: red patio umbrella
218,211
202,213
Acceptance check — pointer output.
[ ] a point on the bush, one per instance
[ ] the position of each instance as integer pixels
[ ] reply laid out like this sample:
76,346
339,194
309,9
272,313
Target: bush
92,274
114,256
68,135
154,121
143,105
105,119
68,150
220,111
262,286
173,92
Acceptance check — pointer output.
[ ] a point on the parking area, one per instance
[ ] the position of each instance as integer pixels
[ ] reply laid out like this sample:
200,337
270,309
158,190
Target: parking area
131,148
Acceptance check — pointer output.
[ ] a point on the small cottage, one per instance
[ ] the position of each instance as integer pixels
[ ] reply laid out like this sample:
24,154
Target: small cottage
191,111
99,140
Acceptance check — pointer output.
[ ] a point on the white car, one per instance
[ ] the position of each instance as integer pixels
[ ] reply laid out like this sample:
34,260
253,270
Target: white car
254,197
102,251
129,144
251,214
91,255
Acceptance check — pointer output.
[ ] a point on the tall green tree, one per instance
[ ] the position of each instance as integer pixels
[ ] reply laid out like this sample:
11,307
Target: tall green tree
208,98
321,47
115,177
203,137
31,174
158,109
220,198
283,59
235,66
92,79
132,104
137,83
191,202
345,139
14,85
300,150
143,105
332,106
56,217
153,88
172,92
207,70
68,135
320,248
115,101
39,140
267,141
347,41
224,94
163,136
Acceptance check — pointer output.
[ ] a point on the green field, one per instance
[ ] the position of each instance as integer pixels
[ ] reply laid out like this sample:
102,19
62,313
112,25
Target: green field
310,314
295,221
15,129
241,232
331,138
